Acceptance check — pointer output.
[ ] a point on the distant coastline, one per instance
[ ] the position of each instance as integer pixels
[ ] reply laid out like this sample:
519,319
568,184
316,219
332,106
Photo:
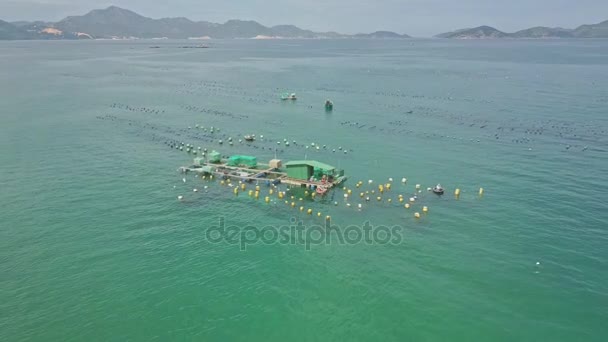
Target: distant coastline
599,30
120,24
115,23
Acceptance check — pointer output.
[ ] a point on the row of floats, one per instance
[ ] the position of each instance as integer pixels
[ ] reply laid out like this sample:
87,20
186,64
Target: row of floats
297,202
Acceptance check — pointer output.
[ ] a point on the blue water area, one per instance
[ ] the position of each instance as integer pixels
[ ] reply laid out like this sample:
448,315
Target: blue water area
95,245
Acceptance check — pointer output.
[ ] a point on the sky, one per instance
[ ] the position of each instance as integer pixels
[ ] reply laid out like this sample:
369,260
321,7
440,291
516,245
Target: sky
420,18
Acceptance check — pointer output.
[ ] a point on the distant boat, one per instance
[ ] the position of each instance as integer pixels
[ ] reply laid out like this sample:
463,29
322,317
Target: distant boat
249,137
287,96
329,105
438,189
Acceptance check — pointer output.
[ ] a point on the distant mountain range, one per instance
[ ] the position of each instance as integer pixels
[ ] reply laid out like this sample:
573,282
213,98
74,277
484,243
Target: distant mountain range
117,23
486,32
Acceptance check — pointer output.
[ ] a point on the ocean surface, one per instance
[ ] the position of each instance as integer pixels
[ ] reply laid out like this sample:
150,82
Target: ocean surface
95,245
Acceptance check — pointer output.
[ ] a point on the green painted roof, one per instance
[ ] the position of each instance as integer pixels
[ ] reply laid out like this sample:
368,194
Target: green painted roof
313,163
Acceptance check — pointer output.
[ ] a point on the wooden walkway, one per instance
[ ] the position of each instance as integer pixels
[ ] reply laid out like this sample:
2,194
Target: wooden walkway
278,175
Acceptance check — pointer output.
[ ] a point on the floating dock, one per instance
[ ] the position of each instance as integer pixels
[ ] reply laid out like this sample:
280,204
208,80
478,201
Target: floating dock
303,173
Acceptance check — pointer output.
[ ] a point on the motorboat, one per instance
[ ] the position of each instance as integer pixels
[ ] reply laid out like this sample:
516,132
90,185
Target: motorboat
329,105
438,189
287,96
321,190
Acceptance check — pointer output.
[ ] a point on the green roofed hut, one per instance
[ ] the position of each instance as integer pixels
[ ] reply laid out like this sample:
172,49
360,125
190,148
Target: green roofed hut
215,157
304,169
243,161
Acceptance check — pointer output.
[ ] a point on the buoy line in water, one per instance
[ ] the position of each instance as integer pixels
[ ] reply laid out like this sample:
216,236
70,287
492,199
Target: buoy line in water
200,134
389,195
569,136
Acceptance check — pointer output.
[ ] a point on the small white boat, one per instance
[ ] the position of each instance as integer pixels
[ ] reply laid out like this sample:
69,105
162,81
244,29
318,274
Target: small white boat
438,189
287,96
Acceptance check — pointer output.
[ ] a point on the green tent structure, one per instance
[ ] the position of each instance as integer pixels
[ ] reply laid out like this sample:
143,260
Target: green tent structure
215,157
244,161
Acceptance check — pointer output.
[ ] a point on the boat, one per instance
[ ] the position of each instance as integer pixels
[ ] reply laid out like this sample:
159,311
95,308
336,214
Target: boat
249,137
329,105
438,189
321,190
287,96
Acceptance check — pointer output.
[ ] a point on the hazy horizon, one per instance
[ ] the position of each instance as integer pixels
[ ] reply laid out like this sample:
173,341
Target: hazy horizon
418,18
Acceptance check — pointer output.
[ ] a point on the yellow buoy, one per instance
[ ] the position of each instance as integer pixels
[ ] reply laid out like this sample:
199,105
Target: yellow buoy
401,199
313,194
287,202
388,186
327,218
457,192
425,209
306,193
236,191
222,182
293,204
267,199
301,208
350,191
417,215
390,200
309,211
379,198
319,214
271,191
480,191
211,177
257,188
257,194
292,197
250,192
407,205
243,186
361,195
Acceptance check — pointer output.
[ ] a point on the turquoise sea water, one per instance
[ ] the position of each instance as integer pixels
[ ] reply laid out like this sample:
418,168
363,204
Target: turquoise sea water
95,246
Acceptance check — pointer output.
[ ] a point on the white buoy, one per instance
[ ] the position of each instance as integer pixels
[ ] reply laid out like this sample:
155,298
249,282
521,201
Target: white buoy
195,190
180,197
403,180
184,180
206,187
370,181
390,179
